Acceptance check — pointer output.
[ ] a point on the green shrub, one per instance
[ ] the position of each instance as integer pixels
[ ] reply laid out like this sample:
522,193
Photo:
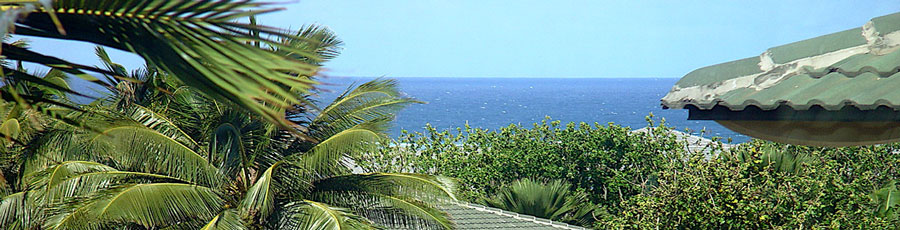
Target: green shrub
762,185
606,161
553,200
649,181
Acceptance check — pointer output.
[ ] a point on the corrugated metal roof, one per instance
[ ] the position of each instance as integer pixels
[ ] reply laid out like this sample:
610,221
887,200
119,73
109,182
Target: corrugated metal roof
472,216
817,46
857,67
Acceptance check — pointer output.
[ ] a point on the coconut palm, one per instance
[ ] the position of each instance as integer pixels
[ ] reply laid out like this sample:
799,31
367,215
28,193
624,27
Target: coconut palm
143,170
22,123
164,156
202,43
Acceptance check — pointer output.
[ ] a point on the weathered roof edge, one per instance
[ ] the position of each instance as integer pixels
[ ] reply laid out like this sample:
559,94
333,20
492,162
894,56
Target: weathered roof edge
523,217
701,87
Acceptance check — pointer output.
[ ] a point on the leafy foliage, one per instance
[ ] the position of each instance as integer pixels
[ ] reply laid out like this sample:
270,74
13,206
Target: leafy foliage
200,42
834,188
641,180
607,162
162,154
552,200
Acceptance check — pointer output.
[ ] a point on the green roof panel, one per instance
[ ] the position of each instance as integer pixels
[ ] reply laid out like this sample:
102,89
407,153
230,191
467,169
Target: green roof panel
817,46
887,24
884,65
717,73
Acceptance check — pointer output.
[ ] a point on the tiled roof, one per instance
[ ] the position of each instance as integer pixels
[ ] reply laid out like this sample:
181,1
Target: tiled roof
856,67
472,216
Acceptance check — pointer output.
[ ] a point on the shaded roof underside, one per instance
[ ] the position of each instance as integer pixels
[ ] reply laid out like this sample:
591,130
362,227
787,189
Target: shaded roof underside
857,67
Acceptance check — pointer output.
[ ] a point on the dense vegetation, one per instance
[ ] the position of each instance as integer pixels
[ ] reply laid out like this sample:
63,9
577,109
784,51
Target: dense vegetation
168,157
218,131
648,180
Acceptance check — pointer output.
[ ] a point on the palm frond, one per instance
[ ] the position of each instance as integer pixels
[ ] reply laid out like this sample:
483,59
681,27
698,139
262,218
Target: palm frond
161,124
391,198
149,205
327,157
54,175
78,178
316,39
281,180
309,214
227,149
20,211
227,220
197,41
260,198
54,147
373,100
113,67
396,211
552,200
144,150
235,138
416,185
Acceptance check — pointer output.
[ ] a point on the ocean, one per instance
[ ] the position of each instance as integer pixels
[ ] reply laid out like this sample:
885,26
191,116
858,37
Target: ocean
492,103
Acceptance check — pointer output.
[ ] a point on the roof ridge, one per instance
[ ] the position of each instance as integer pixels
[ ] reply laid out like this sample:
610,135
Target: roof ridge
518,216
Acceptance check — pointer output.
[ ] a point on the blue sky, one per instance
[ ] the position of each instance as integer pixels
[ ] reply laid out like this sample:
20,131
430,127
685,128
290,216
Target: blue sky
519,38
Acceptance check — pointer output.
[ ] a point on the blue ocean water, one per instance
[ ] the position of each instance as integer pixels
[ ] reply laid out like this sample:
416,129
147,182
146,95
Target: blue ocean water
497,102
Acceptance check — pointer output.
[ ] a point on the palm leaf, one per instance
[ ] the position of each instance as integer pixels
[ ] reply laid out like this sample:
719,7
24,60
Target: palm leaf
552,200
260,198
80,178
53,148
227,149
145,150
54,175
425,186
374,100
390,211
282,179
227,220
391,198
197,41
160,124
326,157
309,214
19,211
234,140
315,39
150,205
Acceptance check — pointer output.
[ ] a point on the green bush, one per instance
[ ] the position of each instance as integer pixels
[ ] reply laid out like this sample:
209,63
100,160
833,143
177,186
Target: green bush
649,180
606,161
553,200
830,188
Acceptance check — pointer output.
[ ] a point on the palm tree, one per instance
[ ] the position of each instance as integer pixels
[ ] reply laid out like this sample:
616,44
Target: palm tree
145,170
200,42
552,200
163,156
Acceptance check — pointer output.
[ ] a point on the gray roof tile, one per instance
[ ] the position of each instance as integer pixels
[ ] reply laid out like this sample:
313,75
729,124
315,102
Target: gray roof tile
472,216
